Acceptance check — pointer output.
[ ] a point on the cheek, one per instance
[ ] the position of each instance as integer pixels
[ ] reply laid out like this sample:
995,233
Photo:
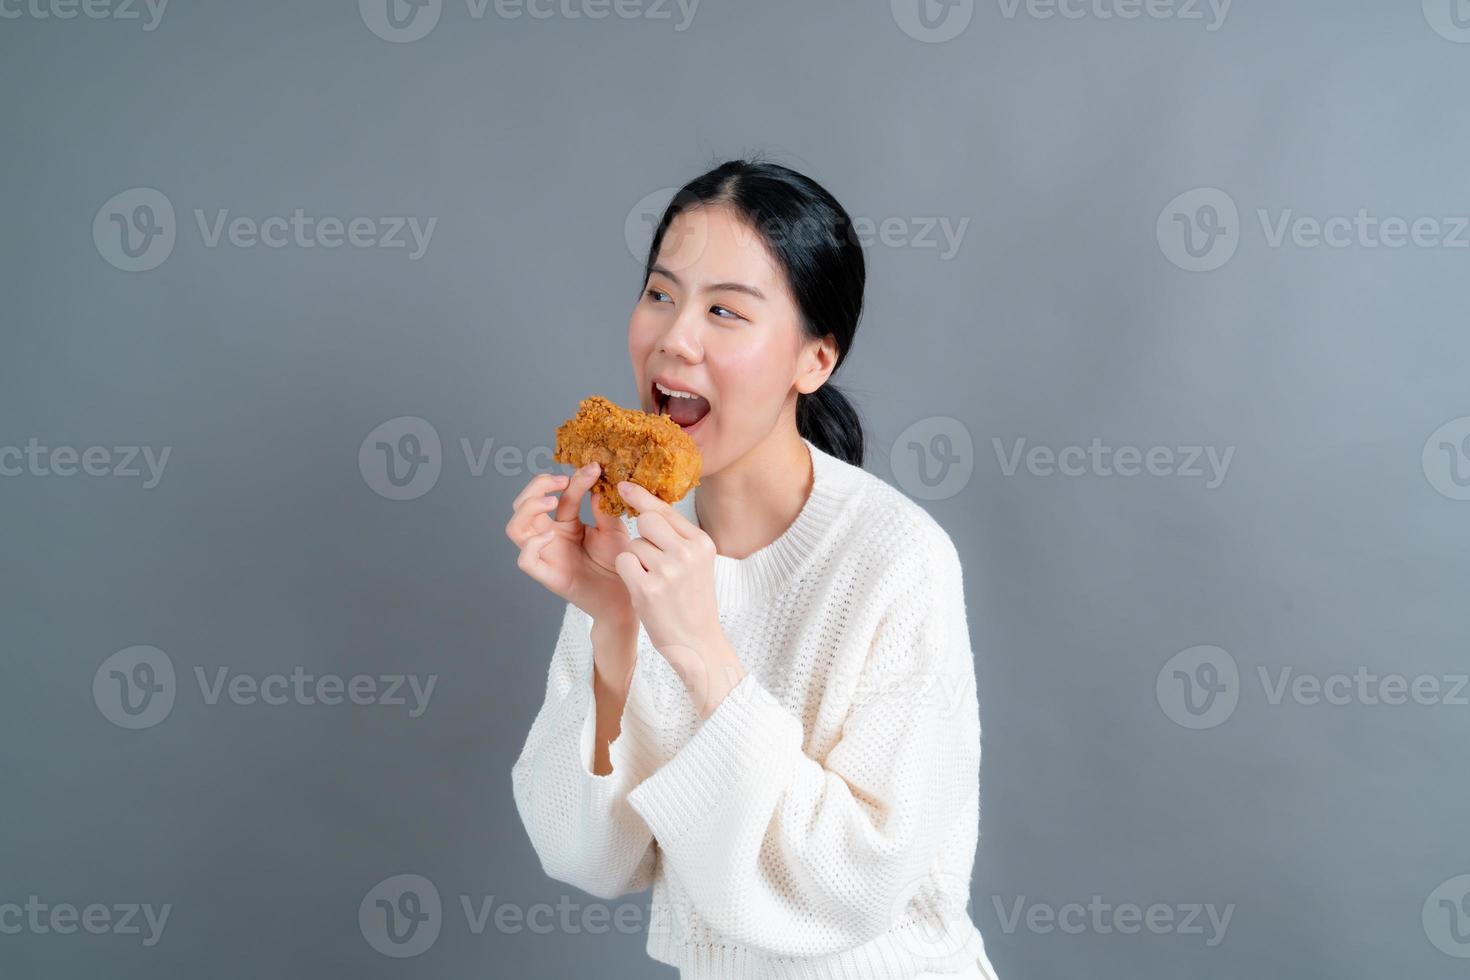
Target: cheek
640,335
752,378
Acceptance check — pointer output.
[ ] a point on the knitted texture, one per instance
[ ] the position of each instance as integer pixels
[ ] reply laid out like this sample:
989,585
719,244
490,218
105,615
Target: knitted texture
823,821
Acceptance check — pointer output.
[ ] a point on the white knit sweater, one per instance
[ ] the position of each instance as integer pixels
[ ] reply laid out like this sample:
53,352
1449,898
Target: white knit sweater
822,822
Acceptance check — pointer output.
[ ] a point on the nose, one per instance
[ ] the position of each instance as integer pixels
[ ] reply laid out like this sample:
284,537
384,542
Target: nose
682,338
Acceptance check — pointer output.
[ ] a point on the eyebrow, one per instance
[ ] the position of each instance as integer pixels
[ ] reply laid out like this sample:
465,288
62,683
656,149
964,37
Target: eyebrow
738,287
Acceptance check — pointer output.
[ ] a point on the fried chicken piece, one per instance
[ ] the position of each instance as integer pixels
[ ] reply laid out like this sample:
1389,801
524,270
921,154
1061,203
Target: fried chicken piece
650,450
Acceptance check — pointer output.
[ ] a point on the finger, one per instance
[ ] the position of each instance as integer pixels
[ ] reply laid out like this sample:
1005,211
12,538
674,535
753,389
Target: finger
650,556
527,519
571,500
539,486
530,561
631,571
654,526
643,500
605,521
538,525
639,497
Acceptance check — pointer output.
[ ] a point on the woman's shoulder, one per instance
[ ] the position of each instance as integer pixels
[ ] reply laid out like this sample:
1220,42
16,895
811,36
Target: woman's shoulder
885,520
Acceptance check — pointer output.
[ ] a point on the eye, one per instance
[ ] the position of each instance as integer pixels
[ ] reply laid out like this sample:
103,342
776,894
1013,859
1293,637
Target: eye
654,293
732,313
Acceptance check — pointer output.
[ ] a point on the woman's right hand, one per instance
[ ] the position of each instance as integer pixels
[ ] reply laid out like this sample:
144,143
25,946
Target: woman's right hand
573,560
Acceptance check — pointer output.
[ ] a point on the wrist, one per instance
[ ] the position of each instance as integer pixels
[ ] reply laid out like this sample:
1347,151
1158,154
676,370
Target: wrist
614,654
614,685
615,625
710,674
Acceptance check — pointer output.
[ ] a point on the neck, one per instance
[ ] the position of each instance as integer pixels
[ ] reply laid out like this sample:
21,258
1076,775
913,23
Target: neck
752,501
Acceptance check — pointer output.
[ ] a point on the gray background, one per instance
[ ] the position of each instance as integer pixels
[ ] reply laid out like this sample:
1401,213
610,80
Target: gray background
1335,543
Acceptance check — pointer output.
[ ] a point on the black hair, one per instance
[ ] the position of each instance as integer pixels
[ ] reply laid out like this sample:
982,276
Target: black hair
812,239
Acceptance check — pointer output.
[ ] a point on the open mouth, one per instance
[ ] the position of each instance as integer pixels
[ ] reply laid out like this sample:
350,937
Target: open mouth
687,409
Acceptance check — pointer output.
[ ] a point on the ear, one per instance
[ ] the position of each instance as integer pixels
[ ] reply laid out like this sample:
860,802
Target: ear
818,360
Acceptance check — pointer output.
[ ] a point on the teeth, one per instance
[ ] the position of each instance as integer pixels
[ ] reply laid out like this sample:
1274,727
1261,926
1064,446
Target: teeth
674,394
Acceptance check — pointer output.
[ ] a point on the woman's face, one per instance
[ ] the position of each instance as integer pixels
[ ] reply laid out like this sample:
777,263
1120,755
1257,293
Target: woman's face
718,320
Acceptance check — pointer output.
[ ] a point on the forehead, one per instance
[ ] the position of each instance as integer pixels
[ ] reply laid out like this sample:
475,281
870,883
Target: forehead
714,244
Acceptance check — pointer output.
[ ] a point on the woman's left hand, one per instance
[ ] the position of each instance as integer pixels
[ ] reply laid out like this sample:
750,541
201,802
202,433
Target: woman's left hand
670,575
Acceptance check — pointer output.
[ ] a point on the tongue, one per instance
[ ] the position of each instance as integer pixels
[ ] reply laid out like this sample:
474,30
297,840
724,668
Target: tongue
687,411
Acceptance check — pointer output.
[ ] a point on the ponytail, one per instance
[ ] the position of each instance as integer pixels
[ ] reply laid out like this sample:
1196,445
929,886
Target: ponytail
829,420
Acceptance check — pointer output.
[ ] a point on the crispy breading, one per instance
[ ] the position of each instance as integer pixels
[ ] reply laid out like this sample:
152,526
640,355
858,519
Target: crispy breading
650,450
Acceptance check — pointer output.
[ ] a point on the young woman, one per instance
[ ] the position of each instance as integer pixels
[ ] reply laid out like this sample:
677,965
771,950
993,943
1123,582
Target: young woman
762,699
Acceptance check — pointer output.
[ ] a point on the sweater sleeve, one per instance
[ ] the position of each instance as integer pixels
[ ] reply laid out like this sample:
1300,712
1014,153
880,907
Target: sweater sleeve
579,823
805,857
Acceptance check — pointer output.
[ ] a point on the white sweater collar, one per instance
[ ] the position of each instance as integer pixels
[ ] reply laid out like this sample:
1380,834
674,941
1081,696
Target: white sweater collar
761,574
